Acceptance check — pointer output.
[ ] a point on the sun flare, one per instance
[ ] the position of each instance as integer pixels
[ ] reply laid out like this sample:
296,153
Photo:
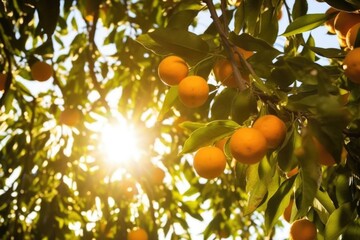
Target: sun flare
120,142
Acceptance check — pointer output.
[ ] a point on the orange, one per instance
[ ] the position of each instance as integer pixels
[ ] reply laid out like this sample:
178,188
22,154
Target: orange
157,176
324,157
41,71
137,234
351,35
303,229
209,162
128,188
287,211
351,65
221,143
193,91
344,21
223,69
172,70
329,24
248,145
70,117
273,129
2,81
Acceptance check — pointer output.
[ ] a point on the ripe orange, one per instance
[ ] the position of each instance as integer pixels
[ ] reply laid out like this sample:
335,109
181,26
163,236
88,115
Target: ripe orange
193,91
221,143
351,65
324,157
287,211
344,21
172,70
41,71
209,162
351,35
137,234
303,229
70,117
329,24
248,145
2,81
223,69
157,176
273,129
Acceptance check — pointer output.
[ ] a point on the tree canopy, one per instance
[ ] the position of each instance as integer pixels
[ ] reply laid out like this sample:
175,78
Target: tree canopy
96,140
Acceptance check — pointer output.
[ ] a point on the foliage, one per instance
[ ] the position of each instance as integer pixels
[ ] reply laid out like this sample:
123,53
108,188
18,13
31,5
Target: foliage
55,182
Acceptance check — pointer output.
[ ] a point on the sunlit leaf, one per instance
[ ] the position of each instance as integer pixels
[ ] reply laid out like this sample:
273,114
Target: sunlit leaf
304,24
208,134
339,220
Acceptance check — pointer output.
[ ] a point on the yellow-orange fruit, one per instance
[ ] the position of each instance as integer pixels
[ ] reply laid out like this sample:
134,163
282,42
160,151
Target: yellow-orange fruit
157,176
221,143
193,91
344,21
324,157
2,81
303,229
248,145
172,70
351,35
70,117
287,211
137,234
351,65
273,129
223,69
209,162
329,24
41,71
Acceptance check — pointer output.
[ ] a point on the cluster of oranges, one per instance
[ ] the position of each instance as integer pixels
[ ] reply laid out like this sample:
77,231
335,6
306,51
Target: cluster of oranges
193,90
346,26
248,145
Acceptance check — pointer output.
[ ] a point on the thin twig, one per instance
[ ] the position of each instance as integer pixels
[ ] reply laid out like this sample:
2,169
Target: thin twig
92,49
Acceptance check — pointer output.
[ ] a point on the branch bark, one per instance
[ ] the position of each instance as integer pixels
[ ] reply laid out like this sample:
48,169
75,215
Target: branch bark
229,46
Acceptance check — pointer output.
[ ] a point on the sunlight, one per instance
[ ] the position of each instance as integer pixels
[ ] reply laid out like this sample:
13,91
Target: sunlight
119,142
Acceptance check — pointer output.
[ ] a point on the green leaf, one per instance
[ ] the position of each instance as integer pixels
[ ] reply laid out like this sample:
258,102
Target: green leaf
300,8
170,99
182,43
339,221
256,197
277,203
151,44
182,19
310,171
285,157
244,104
304,24
343,5
208,134
221,107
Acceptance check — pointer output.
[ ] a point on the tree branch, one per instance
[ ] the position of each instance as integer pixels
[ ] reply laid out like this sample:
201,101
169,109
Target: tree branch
228,45
91,53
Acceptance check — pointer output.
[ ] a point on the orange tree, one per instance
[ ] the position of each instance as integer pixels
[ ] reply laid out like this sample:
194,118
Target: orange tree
72,55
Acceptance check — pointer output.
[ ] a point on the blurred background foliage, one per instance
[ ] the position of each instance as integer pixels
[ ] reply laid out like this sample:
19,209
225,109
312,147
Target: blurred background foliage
55,180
